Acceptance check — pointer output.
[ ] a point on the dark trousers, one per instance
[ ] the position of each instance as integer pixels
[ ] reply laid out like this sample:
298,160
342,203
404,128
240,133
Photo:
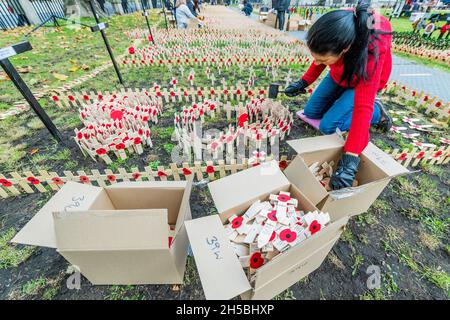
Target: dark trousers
280,17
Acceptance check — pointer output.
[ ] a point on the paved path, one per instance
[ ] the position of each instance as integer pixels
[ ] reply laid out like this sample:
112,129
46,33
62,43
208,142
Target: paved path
408,72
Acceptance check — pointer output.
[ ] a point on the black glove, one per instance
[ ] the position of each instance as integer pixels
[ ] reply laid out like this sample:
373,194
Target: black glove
345,173
295,88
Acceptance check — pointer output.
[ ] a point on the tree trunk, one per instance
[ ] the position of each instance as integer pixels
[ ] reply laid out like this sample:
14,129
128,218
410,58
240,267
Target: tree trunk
81,9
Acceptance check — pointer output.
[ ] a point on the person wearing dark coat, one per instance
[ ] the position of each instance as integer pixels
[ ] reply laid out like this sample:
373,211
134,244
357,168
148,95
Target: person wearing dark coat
247,8
281,6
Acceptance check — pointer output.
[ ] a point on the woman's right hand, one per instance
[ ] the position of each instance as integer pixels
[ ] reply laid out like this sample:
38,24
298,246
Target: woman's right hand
296,88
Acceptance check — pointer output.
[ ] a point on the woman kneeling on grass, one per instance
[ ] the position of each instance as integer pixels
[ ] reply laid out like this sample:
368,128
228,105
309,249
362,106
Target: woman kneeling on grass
356,45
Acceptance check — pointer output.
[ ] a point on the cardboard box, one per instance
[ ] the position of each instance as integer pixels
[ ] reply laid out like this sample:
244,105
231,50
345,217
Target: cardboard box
117,234
220,271
292,25
376,169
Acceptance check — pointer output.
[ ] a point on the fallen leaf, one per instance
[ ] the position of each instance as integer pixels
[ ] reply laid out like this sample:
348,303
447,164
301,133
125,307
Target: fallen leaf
24,69
60,76
74,68
175,288
34,151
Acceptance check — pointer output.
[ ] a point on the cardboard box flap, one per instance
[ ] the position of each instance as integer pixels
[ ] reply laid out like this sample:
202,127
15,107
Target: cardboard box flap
111,230
384,161
233,190
39,231
306,145
220,271
184,204
299,175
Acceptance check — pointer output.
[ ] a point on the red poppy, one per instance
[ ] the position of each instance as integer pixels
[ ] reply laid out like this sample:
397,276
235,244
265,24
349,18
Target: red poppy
438,154
199,93
314,227
137,140
238,91
272,237
131,50
5,183
243,118
438,104
86,97
262,92
237,222
162,174
100,97
33,180
255,164
111,178
101,151
186,171
282,164
212,92
256,260
120,146
71,98
249,93
283,198
402,156
272,215
84,179
209,169
170,241
136,175
225,91
55,98
57,180
288,235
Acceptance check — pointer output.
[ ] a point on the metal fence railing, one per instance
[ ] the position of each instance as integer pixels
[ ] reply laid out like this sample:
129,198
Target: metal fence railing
12,15
47,9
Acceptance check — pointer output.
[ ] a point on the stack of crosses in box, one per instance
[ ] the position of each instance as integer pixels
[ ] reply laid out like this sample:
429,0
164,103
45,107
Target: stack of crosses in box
269,228
324,172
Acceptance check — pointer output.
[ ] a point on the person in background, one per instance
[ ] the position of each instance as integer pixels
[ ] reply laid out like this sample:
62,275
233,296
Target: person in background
247,9
183,15
281,6
360,62
190,5
445,28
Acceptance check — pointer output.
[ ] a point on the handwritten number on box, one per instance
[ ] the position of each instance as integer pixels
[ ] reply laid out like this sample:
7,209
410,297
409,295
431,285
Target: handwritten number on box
214,245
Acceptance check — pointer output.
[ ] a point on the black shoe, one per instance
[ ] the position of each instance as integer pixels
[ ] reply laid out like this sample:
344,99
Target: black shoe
385,122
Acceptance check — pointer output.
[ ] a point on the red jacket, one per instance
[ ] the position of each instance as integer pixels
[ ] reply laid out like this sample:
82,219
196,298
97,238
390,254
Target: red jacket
365,91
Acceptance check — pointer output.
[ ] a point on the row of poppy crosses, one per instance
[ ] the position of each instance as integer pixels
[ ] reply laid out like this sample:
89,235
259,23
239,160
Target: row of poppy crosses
19,183
28,182
428,54
422,100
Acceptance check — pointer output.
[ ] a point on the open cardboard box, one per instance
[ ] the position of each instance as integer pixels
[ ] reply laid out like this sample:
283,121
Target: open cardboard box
117,234
221,273
376,169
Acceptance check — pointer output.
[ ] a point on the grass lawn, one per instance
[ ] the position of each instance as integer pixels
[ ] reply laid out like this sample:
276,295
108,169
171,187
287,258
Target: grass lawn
405,232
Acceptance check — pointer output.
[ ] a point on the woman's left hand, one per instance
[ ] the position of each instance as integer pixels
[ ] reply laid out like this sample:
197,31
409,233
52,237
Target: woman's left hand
346,171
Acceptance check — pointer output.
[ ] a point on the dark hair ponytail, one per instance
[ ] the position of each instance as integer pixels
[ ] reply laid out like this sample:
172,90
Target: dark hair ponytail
338,30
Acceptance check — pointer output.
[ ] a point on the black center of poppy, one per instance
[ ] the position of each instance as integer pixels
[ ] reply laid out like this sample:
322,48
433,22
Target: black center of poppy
288,236
314,227
255,260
